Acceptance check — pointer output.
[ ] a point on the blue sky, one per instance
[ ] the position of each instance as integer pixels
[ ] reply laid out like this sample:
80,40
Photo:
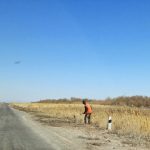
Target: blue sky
74,48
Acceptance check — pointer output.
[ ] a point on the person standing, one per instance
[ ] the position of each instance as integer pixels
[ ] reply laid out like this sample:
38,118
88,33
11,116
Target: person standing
87,112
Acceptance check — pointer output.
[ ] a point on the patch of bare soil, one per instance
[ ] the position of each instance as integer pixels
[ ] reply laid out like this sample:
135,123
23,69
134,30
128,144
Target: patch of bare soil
55,122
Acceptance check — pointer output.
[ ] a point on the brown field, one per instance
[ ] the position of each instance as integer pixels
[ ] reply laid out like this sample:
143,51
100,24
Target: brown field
126,120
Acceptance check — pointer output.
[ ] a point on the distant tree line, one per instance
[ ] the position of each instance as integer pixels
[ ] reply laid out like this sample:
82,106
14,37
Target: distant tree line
136,101
62,100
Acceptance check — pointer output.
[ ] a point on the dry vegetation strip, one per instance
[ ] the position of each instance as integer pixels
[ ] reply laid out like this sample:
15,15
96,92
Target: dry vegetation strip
126,120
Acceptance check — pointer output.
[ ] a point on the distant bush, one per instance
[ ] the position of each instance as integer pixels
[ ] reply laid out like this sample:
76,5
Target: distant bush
136,101
62,100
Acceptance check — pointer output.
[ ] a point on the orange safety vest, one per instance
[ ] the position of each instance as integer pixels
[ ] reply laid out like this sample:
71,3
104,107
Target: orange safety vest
89,109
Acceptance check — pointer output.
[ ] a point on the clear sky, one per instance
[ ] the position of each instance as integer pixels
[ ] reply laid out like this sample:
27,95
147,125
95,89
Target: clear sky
74,48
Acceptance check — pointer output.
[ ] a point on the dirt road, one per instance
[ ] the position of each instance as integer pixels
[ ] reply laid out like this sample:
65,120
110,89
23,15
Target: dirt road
21,131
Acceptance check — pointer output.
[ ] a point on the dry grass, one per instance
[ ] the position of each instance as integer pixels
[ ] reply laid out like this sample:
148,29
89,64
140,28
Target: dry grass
126,120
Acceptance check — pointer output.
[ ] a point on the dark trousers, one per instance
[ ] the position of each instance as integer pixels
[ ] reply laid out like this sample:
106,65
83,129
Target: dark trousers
87,118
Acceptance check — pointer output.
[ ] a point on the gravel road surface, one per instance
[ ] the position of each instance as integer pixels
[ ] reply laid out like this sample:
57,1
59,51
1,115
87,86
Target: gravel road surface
15,135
